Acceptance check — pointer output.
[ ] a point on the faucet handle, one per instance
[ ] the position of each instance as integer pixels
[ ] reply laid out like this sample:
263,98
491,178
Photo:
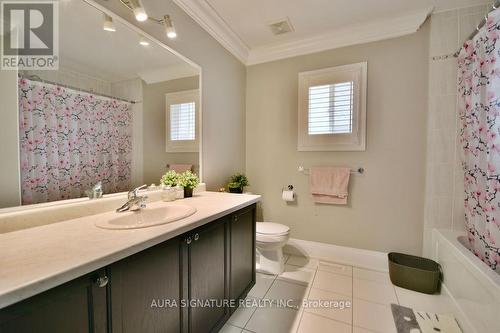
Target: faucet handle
133,194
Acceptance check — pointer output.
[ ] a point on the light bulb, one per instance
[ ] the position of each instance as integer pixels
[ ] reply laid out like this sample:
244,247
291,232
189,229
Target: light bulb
171,33
108,23
138,9
169,27
140,14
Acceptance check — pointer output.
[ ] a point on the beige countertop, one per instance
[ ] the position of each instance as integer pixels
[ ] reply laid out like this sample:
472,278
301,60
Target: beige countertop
37,259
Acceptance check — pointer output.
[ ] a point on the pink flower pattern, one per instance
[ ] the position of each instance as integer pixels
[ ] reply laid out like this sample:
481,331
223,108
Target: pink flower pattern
69,141
479,111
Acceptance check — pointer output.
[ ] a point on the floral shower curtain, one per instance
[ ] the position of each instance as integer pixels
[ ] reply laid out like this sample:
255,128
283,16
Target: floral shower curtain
479,110
69,141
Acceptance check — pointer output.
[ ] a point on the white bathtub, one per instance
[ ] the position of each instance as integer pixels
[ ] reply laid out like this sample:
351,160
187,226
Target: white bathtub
471,284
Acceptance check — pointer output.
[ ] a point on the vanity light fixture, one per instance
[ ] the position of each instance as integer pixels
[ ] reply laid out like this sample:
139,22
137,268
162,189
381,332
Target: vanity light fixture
140,14
108,25
169,27
143,41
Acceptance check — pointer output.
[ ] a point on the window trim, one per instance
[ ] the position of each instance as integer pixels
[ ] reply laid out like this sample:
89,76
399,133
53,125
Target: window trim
182,146
355,141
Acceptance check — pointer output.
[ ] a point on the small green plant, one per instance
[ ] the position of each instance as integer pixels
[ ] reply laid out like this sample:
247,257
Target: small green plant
188,180
171,178
237,182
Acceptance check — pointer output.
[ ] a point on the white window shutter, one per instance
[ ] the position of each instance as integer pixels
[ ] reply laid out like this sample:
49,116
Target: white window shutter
183,121
332,109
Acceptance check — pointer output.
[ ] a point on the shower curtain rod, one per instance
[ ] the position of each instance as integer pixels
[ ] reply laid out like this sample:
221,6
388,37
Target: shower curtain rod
38,79
480,25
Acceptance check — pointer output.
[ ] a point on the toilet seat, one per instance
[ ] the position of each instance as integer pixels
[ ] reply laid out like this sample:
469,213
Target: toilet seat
270,240
271,229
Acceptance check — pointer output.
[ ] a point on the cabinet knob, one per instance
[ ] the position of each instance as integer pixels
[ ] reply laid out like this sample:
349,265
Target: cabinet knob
196,237
188,240
102,281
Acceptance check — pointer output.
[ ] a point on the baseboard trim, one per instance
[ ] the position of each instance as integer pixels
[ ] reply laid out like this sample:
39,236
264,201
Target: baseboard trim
343,255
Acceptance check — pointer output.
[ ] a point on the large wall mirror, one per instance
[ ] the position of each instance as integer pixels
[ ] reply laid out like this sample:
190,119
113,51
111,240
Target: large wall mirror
121,109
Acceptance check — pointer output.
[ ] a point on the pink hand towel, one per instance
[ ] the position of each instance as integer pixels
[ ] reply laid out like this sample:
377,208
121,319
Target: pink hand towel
180,168
329,185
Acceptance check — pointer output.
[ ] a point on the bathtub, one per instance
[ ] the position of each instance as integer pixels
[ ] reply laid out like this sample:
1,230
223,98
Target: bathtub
471,284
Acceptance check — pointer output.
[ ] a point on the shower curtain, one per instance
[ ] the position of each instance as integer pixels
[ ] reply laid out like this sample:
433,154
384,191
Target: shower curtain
479,111
69,141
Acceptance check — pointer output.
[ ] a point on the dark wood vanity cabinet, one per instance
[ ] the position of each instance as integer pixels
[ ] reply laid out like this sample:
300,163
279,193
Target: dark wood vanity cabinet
242,252
206,279
219,265
145,290
165,288
77,306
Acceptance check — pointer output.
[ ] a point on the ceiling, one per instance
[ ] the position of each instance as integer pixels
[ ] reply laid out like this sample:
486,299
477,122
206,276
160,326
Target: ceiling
243,26
112,56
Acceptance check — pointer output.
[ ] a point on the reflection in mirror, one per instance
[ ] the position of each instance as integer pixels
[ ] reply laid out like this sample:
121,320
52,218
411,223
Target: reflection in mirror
117,114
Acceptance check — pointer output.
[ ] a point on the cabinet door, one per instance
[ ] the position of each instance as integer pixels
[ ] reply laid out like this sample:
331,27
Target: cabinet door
207,274
242,252
145,290
76,306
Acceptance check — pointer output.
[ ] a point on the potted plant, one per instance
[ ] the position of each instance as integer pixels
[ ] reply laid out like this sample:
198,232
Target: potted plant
171,178
237,183
189,181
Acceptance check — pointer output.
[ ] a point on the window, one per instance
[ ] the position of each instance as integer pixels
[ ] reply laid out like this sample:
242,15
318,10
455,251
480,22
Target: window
182,121
332,109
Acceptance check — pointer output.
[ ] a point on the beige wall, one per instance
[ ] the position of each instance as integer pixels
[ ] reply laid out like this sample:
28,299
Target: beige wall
223,88
155,157
10,195
385,210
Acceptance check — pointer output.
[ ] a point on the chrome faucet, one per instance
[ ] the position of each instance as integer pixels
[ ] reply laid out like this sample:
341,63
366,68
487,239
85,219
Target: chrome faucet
134,202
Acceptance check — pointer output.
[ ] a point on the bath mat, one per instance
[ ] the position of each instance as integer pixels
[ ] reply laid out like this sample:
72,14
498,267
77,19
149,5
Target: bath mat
409,321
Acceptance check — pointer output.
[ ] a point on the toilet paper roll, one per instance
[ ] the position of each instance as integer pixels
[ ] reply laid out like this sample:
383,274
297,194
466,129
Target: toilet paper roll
288,196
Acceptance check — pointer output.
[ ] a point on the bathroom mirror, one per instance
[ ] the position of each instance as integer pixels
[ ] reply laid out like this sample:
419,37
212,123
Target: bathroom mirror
111,113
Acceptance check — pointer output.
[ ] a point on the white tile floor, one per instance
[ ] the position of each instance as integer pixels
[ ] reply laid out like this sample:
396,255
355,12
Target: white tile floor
369,292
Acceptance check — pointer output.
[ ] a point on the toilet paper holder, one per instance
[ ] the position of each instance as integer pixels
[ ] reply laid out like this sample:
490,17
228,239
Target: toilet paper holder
288,194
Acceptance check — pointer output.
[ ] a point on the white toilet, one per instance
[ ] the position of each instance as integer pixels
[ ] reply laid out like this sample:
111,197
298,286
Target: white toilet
270,239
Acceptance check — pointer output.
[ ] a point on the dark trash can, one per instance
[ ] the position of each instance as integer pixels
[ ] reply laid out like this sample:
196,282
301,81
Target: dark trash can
415,273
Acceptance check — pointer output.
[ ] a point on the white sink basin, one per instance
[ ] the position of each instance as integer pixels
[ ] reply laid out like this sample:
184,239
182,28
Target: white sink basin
147,217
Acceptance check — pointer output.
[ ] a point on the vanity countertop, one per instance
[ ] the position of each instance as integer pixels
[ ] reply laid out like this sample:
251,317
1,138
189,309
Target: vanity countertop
40,258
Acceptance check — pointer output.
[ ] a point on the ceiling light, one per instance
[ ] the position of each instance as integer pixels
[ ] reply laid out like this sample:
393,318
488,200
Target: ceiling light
108,23
169,27
143,41
139,11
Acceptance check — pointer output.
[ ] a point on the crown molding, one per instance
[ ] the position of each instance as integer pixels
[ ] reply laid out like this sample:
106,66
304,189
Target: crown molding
206,16
346,36
203,14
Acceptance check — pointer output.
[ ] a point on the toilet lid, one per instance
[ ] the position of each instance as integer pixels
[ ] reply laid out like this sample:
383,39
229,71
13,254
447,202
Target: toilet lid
268,228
